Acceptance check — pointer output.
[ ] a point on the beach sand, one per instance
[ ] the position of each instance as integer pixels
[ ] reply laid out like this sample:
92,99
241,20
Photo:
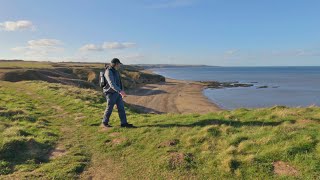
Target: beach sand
172,96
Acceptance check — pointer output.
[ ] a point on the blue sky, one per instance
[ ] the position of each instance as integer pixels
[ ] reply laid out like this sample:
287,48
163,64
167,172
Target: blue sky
212,32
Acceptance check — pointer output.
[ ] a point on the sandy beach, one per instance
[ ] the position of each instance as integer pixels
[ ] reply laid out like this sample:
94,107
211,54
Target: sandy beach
172,96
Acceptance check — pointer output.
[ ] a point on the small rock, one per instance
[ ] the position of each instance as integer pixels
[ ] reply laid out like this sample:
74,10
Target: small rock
260,87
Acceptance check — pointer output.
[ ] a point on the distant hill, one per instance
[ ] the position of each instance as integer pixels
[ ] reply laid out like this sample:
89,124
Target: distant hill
71,73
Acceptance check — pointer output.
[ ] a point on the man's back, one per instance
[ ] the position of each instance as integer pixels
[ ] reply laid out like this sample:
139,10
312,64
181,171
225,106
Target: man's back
113,78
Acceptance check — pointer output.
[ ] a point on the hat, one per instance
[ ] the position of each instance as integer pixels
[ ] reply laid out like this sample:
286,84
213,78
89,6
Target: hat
115,61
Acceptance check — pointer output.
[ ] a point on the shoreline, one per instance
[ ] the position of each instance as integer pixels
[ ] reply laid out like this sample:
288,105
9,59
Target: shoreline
171,96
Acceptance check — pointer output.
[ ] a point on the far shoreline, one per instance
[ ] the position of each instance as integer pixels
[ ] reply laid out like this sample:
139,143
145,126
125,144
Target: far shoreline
171,96
204,87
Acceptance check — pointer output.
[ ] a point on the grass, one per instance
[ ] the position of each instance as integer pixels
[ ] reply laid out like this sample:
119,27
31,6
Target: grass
85,75
52,131
24,64
18,64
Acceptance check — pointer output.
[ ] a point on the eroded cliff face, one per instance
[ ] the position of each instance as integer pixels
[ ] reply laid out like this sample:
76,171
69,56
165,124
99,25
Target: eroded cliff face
80,74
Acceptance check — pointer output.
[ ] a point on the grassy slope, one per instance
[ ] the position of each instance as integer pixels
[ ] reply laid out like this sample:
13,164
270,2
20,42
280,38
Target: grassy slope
24,64
84,75
36,117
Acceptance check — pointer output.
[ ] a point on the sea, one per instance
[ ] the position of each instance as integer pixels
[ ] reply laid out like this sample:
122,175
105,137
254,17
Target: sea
284,86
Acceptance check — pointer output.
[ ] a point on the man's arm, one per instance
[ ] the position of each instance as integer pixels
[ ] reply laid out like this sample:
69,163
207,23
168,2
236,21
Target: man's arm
121,84
110,79
123,94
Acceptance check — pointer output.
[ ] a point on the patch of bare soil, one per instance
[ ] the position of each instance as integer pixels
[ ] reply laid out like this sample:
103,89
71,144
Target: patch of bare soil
102,169
116,141
168,143
305,121
114,134
283,168
57,152
57,108
178,159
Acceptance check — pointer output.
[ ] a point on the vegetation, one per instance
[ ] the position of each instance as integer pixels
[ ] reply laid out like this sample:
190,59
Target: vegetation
52,131
85,75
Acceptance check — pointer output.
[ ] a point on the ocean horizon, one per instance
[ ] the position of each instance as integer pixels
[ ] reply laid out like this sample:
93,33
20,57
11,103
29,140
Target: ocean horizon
292,86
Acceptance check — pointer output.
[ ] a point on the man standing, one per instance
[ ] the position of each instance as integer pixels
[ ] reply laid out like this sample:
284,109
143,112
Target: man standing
114,93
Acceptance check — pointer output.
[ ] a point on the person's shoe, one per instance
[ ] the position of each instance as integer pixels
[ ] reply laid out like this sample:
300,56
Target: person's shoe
127,125
107,125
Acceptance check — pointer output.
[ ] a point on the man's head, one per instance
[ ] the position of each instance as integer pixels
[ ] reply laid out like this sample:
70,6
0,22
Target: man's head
115,63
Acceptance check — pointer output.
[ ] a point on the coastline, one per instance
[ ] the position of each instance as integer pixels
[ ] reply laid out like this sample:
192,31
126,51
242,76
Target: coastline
171,96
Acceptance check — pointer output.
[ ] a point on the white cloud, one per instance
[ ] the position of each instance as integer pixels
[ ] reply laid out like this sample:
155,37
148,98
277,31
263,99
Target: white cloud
91,47
107,45
172,3
17,25
40,47
118,45
44,42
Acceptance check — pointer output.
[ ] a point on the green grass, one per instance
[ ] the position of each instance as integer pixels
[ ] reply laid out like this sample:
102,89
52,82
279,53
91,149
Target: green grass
24,64
11,64
36,117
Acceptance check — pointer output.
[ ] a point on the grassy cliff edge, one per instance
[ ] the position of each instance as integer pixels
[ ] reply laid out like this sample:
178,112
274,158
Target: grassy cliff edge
52,131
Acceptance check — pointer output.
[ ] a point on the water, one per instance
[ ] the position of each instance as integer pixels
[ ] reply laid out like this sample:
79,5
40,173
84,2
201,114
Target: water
288,86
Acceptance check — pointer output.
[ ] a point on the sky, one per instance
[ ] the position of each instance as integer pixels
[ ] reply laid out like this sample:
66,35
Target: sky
210,32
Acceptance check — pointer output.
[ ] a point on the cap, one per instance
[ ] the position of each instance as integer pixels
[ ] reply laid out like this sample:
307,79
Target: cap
115,61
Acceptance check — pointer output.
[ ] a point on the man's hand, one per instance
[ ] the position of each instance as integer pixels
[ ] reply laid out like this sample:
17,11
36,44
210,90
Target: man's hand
123,94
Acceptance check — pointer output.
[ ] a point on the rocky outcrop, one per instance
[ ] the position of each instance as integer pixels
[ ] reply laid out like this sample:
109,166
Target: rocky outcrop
218,85
81,75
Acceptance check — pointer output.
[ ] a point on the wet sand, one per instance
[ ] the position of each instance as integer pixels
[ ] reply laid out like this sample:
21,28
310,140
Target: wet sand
172,96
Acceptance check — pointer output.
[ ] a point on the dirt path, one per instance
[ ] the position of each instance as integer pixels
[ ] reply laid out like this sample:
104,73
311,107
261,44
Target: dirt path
172,96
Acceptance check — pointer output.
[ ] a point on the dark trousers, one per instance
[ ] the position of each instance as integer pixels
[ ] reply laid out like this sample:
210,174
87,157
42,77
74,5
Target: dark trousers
112,99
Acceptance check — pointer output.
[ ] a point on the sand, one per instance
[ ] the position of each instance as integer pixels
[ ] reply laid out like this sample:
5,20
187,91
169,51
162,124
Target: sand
172,96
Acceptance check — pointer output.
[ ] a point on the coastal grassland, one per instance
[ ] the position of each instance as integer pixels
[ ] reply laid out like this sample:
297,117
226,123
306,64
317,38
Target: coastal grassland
24,64
19,64
52,131
85,75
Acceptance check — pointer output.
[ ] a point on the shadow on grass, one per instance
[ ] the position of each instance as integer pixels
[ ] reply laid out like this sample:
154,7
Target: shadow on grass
142,109
134,108
207,122
21,151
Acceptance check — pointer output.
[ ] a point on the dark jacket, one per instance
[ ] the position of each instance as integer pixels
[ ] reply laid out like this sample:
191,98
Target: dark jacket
114,83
